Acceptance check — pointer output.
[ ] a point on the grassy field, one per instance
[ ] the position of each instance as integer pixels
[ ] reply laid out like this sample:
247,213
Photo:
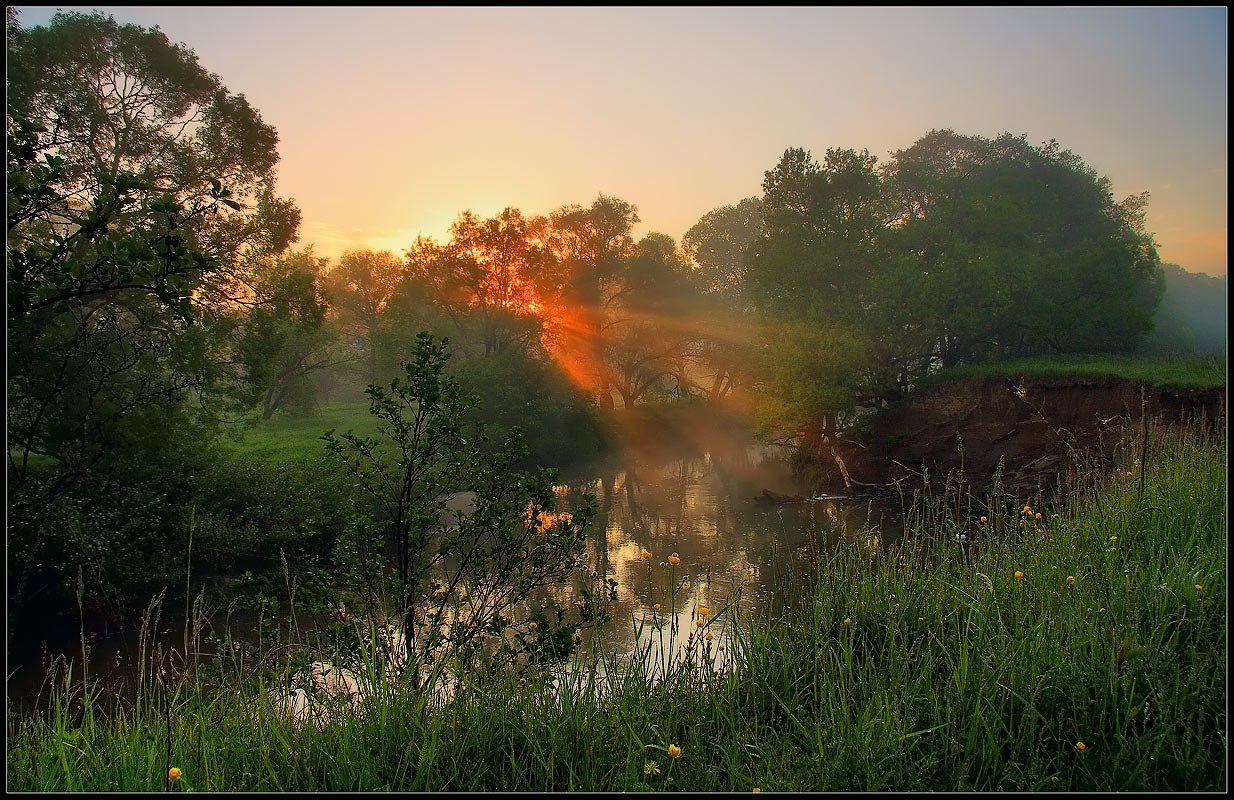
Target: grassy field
1185,373
1082,650
286,437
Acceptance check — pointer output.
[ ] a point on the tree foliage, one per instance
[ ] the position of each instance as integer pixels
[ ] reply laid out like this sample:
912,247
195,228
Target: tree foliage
452,586
960,249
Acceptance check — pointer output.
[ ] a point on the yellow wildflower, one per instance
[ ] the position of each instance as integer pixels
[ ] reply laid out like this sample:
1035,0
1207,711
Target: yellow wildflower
1028,509
1080,746
1113,538
1071,580
674,559
701,622
674,751
531,626
704,610
709,636
1199,587
757,789
1038,516
657,606
1019,576
983,518
646,554
848,620
174,774
651,768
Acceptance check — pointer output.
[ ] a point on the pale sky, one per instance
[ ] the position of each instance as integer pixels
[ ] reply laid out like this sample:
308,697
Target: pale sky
393,120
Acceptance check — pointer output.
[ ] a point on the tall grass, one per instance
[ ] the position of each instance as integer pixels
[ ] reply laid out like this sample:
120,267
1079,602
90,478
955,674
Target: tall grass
927,667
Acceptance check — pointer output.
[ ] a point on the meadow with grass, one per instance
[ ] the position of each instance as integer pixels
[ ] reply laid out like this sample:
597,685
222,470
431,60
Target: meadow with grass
1004,646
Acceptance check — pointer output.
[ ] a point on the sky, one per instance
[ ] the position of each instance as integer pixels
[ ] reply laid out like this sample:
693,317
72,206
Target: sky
393,120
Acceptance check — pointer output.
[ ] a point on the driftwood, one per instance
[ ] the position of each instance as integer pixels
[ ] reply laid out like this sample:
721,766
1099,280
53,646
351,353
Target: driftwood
775,498
769,497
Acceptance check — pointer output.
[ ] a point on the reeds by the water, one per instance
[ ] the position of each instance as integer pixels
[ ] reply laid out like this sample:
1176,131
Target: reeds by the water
1080,650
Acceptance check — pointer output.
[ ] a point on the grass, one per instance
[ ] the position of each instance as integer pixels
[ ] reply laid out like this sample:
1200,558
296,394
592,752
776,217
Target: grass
296,438
929,669
1185,373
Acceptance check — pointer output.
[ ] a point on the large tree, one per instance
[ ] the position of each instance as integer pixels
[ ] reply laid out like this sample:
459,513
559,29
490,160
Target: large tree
121,99
960,249
1019,249
137,185
496,274
593,245
724,322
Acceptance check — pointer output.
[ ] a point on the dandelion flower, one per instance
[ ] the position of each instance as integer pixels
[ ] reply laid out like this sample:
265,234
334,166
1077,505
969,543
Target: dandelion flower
1080,746
704,610
646,554
674,751
757,789
708,637
983,518
848,620
1113,538
1038,517
531,626
701,622
657,606
674,559
1028,509
1071,580
1019,576
174,774
651,768
1199,587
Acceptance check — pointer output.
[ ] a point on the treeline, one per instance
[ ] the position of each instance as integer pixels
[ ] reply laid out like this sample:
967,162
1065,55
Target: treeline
155,298
1193,316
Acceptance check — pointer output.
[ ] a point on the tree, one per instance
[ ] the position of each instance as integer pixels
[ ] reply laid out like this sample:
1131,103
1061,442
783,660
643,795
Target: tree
648,331
961,249
455,585
119,98
593,246
717,245
359,288
284,337
127,166
99,307
1024,248
497,274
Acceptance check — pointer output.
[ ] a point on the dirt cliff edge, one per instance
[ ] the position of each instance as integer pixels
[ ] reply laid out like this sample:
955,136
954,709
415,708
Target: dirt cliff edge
1039,426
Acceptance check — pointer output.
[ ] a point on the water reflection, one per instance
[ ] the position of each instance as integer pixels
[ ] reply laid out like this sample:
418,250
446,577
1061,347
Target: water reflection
732,552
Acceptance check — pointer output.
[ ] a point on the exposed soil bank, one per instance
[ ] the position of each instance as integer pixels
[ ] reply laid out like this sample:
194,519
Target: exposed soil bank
1039,426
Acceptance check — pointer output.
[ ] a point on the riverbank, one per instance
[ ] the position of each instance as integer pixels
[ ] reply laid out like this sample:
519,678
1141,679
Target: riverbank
1041,418
1080,650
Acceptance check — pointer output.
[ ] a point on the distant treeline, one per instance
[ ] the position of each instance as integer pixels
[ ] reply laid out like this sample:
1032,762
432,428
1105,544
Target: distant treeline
1193,318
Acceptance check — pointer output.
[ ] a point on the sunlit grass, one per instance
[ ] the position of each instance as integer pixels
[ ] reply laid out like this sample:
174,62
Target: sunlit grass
933,668
295,437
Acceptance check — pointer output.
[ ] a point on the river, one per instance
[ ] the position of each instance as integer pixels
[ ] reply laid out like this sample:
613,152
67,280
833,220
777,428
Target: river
733,553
